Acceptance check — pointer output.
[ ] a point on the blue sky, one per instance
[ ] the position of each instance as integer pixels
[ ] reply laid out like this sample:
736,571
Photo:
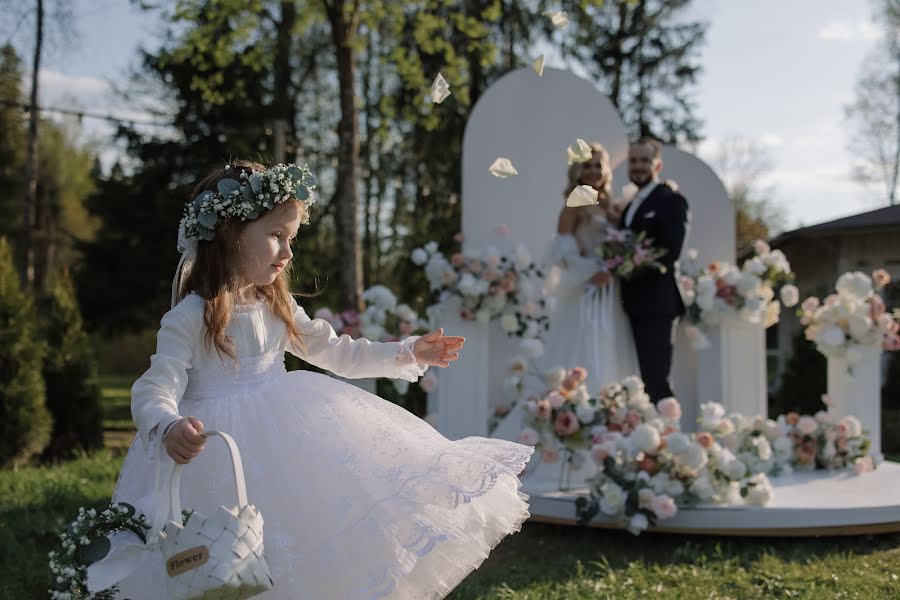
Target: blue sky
774,71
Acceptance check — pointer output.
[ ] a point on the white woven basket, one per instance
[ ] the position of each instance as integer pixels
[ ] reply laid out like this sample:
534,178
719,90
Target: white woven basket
218,556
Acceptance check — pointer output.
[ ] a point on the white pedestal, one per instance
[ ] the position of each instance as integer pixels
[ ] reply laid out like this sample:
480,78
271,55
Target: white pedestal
463,401
858,392
732,371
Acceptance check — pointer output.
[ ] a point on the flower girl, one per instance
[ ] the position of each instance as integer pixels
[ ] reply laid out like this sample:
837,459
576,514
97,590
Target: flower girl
361,499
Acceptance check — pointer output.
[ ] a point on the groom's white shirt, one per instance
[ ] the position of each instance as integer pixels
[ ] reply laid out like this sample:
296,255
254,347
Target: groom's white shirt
638,200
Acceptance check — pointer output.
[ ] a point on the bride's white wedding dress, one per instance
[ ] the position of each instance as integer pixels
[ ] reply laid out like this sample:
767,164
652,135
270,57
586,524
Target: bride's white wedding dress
588,328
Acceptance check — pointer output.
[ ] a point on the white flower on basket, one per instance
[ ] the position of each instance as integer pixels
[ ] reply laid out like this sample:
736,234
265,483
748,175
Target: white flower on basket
759,490
830,336
645,438
677,443
637,523
854,285
711,414
633,384
585,412
612,499
859,325
694,458
806,425
509,322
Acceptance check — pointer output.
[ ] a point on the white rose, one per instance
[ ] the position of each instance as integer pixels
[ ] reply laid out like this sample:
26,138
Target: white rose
645,438
694,458
612,498
759,492
529,437
555,376
633,384
855,285
581,395
431,247
756,265
702,488
748,284
677,443
585,413
509,323
852,425
637,523
711,415
859,325
734,469
790,295
419,256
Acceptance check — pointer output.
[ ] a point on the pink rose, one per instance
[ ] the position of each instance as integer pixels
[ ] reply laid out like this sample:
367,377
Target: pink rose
555,399
881,278
508,284
705,439
579,374
761,247
669,409
791,418
664,507
599,452
566,423
832,299
810,332
810,304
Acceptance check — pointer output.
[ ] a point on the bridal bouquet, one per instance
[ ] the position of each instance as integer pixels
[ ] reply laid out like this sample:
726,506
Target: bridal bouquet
623,253
487,285
852,318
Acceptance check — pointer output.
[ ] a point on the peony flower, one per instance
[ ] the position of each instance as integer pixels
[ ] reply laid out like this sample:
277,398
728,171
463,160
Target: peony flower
646,438
555,377
664,507
566,423
556,399
669,408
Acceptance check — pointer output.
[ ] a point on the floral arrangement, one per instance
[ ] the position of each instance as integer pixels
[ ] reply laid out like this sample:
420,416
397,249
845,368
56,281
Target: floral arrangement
382,320
85,542
246,199
647,468
853,317
488,285
751,292
623,253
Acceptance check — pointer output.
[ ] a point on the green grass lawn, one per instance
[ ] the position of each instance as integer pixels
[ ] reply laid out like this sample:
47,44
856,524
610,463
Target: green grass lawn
542,562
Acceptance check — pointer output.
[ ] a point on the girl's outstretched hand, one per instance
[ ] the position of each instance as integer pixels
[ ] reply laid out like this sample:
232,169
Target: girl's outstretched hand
185,440
437,349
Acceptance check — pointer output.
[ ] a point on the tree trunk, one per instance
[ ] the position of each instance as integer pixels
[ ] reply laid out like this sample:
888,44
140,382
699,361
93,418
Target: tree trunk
343,20
27,255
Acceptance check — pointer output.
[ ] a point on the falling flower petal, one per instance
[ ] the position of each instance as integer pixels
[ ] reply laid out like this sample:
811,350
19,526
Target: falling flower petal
583,195
440,89
503,168
559,18
579,152
539,66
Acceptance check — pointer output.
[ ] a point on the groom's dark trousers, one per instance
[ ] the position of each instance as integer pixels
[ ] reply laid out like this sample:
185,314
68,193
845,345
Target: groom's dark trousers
652,300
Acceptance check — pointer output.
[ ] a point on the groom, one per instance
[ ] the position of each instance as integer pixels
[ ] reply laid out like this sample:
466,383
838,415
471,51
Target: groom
652,300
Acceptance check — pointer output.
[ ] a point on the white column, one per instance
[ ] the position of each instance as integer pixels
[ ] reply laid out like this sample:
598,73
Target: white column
462,392
857,391
732,371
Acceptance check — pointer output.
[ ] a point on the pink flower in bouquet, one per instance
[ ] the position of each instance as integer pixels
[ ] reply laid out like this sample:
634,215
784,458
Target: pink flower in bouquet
880,278
669,408
616,235
876,307
713,268
863,465
810,304
566,423
640,256
502,230
807,425
664,507
459,237
634,418
466,315
579,374
687,283
544,409
705,439
888,324
827,400
570,382
614,262
728,293
891,343
550,455
761,247
555,399
457,259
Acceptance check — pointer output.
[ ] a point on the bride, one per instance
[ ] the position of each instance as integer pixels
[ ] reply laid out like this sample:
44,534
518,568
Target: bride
588,326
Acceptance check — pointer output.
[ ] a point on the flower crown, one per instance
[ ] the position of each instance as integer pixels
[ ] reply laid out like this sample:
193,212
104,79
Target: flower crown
247,199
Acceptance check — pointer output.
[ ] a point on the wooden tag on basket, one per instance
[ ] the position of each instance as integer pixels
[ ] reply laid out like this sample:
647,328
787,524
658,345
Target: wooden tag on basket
187,560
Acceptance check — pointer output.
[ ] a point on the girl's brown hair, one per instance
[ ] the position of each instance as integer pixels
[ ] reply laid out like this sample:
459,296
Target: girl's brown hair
215,278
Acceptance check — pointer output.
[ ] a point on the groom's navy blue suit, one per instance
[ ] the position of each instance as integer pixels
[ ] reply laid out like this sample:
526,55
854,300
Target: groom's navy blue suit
652,300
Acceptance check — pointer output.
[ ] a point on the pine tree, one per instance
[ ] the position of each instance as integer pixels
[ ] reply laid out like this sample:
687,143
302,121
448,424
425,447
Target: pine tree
70,372
25,422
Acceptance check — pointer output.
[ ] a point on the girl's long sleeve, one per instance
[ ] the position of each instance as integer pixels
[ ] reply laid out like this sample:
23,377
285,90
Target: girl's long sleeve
346,357
156,393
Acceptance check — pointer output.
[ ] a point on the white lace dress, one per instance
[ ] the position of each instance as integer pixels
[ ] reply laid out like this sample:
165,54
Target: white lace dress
588,326
361,499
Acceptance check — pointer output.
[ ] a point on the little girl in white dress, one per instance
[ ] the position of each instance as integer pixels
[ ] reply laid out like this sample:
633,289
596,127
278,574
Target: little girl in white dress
361,499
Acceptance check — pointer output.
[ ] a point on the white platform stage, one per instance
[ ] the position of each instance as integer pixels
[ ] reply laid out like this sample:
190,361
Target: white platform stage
804,504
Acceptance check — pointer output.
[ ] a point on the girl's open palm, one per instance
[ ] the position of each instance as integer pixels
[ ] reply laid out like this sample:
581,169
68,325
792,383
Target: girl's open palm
436,349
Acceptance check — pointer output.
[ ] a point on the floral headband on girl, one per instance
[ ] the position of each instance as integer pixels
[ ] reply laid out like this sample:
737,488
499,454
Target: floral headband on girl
248,198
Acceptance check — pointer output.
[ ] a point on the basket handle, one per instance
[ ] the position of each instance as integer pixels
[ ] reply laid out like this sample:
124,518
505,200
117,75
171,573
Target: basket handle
238,476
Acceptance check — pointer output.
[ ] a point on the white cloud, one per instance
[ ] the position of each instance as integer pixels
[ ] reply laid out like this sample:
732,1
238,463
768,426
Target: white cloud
849,31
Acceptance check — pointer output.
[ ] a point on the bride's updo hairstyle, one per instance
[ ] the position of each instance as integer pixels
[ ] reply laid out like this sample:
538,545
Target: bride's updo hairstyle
214,275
